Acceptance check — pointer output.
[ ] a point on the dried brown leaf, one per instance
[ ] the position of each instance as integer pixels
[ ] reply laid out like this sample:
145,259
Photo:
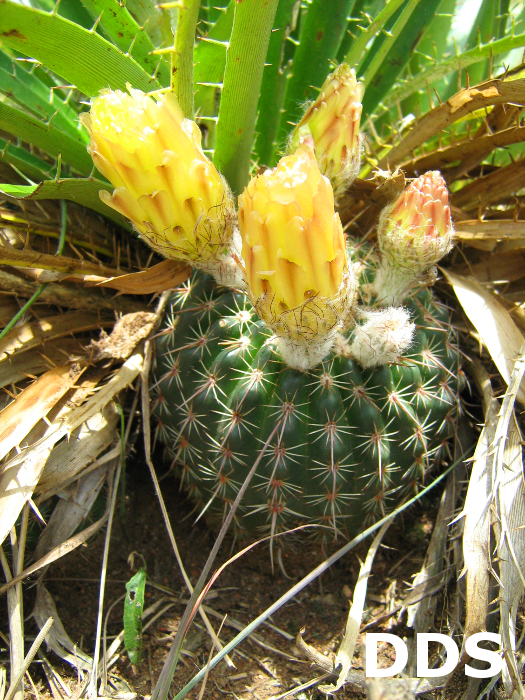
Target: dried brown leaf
32,335
464,102
8,308
75,503
498,185
19,366
468,153
58,640
21,473
498,267
82,449
510,537
495,326
68,296
128,331
490,230
55,263
476,533
159,278
32,404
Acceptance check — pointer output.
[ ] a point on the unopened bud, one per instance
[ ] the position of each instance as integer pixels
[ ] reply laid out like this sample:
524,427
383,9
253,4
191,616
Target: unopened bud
414,233
331,126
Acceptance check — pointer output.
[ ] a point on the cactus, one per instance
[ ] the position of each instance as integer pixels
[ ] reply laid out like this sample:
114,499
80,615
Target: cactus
345,443
350,403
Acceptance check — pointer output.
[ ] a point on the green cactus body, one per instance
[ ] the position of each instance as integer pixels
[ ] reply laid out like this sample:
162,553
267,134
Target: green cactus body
347,444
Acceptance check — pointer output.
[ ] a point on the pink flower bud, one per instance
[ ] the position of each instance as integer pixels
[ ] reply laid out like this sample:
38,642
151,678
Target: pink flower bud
414,233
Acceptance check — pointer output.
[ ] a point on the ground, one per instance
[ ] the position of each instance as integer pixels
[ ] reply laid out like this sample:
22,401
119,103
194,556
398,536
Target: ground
244,589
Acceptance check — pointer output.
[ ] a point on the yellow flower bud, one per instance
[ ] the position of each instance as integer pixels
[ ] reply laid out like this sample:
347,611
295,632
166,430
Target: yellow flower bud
172,193
294,251
331,126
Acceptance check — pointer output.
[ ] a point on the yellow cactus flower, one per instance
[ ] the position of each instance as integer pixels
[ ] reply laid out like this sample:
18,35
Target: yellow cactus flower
331,126
295,259
414,233
165,185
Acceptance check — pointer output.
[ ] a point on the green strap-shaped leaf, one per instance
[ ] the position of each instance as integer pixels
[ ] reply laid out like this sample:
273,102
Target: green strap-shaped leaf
213,9
30,165
246,54
51,39
80,190
321,34
365,29
26,88
273,83
488,25
128,35
484,30
430,49
47,137
133,607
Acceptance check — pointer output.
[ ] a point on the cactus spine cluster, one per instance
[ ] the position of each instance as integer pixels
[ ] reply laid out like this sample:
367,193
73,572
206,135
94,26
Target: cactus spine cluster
330,357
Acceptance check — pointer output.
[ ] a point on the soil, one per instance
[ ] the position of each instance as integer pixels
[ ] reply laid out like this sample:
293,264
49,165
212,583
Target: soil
245,589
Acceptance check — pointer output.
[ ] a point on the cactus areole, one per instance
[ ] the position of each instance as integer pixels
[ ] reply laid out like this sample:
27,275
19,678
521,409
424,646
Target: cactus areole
329,362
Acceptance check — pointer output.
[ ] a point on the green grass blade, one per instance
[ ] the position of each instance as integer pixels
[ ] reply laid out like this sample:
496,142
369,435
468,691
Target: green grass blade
79,190
444,68
50,38
30,165
321,33
399,49
26,89
128,35
46,137
273,84
245,58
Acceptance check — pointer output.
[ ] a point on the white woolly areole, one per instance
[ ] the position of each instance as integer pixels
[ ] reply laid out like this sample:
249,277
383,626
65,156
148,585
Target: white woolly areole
227,267
383,337
307,354
393,284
